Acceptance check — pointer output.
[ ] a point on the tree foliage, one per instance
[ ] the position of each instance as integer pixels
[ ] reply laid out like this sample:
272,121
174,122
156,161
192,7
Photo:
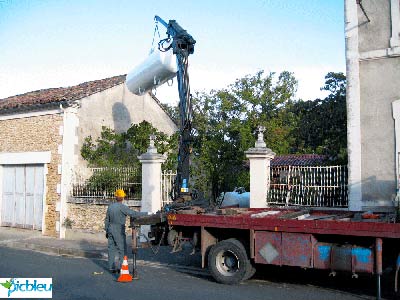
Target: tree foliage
113,149
225,122
321,126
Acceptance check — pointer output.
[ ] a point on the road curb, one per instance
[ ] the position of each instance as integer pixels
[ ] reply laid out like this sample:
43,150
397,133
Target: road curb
57,250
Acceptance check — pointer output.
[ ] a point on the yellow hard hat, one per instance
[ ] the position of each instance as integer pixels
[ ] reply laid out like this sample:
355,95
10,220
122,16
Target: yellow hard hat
120,193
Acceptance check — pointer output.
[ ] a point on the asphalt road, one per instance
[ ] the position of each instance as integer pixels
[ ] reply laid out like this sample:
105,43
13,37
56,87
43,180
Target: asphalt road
73,279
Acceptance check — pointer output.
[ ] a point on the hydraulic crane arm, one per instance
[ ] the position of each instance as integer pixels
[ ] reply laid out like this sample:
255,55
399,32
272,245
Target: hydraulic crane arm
181,39
182,45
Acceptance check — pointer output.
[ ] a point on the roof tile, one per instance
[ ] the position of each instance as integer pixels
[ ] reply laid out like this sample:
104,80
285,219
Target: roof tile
57,95
299,160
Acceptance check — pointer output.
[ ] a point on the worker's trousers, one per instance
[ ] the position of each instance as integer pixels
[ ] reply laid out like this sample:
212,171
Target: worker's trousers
116,245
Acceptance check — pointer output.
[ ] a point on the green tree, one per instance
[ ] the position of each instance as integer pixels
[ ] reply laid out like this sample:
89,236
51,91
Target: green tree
172,111
321,126
113,149
225,122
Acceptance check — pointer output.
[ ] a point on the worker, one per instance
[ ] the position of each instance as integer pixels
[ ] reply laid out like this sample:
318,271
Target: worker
114,225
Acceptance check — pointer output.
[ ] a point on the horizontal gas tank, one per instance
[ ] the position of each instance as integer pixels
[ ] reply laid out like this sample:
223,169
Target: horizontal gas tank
236,198
158,68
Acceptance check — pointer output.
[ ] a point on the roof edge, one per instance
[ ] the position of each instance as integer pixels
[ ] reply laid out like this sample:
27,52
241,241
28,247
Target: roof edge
162,107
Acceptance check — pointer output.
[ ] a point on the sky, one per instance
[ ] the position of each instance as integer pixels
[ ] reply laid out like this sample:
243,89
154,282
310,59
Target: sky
46,44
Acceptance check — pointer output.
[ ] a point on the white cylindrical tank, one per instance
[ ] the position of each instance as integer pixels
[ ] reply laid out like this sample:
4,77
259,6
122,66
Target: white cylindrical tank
237,199
154,71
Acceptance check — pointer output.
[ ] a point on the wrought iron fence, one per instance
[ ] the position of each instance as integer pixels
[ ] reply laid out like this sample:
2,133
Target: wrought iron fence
102,183
308,186
289,185
167,184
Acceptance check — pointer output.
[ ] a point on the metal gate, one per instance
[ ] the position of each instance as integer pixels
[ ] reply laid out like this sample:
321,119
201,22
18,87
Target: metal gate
167,184
22,199
308,186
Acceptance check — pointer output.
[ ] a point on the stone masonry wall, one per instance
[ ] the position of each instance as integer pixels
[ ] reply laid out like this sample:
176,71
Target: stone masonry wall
87,217
39,133
90,217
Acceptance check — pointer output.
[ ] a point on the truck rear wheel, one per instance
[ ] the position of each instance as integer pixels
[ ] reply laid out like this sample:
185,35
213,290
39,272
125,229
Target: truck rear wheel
228,262
251,270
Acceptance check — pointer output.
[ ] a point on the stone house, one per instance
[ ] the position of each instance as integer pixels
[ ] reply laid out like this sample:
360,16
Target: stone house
41,134
372,30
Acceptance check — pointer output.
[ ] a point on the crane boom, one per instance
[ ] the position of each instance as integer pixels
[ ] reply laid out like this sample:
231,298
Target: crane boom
182,45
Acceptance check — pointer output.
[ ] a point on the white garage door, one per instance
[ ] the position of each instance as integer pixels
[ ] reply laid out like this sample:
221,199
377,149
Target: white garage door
22,201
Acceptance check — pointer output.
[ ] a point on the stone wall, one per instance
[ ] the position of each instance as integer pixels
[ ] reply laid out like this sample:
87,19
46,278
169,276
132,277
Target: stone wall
87,217
90,217
39,133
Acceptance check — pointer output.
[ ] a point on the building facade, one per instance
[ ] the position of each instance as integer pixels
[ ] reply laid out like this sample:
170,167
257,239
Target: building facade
41,134
372,30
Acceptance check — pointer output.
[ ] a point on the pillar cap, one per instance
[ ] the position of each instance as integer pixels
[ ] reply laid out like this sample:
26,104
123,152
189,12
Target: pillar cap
151,155
260,138
260,152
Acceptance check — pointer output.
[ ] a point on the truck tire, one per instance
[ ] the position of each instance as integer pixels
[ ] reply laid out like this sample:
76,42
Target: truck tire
251,270
228,262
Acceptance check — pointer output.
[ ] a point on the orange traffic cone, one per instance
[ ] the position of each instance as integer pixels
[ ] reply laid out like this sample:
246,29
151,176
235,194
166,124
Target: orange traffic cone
124,275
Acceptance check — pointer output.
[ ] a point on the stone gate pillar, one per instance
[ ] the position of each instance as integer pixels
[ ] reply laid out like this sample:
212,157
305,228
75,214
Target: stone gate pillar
260,157
151,181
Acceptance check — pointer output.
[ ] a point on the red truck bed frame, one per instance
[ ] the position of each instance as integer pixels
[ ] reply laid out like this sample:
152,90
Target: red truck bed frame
247,219
322,239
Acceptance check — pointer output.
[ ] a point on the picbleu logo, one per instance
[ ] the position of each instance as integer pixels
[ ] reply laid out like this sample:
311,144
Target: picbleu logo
26,288
8,284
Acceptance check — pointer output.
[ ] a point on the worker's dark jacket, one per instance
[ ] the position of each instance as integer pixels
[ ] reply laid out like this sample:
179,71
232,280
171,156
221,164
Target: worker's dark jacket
114,225
116,217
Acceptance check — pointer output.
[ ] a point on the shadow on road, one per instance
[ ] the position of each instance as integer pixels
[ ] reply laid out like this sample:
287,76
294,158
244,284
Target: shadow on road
364,285
100,263
159,255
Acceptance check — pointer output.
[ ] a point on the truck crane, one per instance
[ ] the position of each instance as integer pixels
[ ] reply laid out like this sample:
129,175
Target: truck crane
156,71
233,241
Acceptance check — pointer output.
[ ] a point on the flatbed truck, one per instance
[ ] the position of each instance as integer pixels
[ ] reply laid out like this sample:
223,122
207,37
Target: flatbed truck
233,241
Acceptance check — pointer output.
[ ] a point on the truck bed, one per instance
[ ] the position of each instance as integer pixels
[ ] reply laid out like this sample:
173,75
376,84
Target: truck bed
291,220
